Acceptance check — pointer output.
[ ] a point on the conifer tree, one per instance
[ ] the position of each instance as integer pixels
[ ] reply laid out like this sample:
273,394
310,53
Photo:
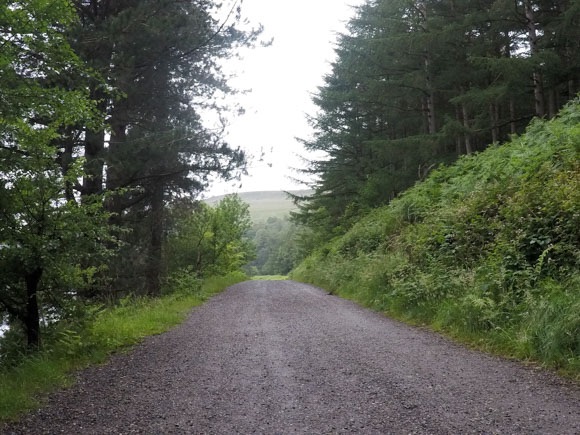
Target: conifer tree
419,82
161,61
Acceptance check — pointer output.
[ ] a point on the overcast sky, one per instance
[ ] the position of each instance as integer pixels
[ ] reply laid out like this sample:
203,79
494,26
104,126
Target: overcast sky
282,78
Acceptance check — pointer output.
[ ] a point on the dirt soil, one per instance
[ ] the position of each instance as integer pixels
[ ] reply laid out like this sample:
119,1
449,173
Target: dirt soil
278,357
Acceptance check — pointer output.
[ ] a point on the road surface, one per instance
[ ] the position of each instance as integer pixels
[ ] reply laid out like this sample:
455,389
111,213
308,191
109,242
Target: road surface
279,357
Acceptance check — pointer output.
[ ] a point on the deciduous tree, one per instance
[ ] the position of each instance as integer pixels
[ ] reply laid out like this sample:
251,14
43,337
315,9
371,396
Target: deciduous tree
45,236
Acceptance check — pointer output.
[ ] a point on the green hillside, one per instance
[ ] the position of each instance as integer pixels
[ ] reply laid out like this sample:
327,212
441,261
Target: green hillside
265,204
487,249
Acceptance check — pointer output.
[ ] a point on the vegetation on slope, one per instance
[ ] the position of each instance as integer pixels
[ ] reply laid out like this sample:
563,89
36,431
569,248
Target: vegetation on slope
487,249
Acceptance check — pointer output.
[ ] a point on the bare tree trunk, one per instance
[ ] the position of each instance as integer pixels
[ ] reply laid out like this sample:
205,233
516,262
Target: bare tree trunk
66,159
94,154
571,89
552,103
465,113
153,276
537,75
425,111
539,95
115,173
94,162
430,98
458,138
32,319
513,129
493,117
432,120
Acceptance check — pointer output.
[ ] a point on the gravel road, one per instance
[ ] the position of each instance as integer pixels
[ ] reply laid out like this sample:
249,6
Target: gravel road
278,357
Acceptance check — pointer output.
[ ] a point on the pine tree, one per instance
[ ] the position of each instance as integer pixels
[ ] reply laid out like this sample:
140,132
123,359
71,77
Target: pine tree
419,82
161,60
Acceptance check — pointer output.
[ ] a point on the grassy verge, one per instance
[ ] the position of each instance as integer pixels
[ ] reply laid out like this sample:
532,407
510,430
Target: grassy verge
545,335
114,329
269,278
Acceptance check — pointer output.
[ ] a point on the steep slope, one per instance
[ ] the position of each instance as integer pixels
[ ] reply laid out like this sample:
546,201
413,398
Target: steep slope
487,249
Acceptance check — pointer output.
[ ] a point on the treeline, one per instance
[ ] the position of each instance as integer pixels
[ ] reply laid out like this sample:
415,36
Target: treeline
276,249
487,249
419,83
101,144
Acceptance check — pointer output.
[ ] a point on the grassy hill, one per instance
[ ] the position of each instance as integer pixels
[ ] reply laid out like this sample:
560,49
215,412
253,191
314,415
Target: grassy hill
265,204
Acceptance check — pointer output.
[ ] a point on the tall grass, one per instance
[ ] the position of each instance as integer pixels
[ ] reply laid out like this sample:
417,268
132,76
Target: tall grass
113,329
487,249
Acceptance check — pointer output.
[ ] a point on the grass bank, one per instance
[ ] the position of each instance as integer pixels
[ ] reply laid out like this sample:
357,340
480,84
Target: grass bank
269,278
110,330
486,250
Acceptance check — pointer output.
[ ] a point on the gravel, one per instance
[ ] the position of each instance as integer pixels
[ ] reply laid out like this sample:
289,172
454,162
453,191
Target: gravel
279,357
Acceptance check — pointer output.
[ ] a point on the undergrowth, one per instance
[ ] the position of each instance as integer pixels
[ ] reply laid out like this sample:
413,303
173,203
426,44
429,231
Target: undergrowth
487,250
22,386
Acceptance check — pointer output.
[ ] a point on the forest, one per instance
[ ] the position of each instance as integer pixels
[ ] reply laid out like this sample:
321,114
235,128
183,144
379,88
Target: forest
417,84
446,191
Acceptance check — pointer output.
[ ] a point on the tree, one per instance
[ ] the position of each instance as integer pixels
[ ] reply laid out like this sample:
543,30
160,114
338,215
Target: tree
210,240
418,83
159,148
276,247
45,237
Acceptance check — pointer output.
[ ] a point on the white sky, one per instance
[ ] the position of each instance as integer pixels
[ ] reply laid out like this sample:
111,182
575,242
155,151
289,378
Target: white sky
282,78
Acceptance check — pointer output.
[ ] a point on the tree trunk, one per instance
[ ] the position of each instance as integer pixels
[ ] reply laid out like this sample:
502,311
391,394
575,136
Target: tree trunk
571,89
513,127
432,122
66,159
32,319
114,203
537,77
458,138
493,117
94,147
539,94
94,158
153,276
552,102
430,98
465,113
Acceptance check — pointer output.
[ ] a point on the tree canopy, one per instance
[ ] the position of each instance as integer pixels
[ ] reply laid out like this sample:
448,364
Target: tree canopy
43,234
418,83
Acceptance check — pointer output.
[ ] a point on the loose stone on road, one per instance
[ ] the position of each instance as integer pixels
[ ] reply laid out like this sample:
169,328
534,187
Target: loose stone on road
279,357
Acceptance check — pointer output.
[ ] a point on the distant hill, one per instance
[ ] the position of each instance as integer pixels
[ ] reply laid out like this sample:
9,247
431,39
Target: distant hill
265,204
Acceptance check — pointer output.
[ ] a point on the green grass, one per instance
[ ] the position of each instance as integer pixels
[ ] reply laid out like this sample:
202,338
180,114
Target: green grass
22,388
269,278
